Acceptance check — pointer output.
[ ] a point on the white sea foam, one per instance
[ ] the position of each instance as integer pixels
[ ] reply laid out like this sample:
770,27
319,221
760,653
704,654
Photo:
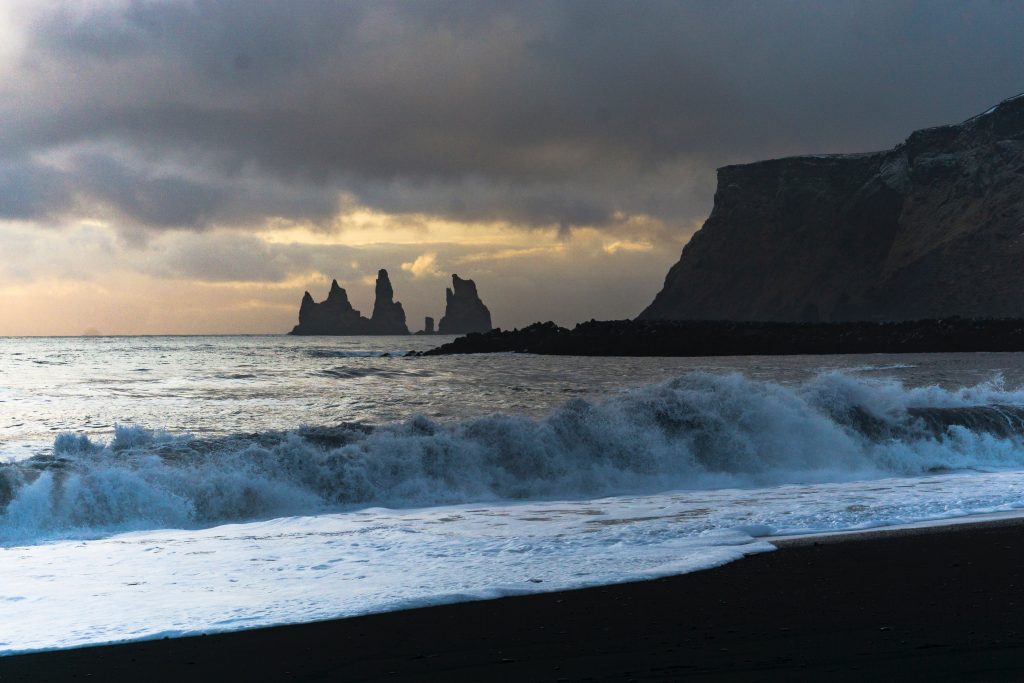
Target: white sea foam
153,533
156,583
699,431
172,582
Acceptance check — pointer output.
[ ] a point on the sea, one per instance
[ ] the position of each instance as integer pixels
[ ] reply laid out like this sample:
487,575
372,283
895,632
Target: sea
165,486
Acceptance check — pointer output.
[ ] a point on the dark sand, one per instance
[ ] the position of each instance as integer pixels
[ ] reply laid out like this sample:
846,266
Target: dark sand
933,604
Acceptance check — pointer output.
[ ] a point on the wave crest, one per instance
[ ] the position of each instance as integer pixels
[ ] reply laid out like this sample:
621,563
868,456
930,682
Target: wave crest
696,431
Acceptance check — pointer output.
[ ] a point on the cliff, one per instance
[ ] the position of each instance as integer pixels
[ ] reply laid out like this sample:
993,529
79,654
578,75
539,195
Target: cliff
464,311
336,316
932,228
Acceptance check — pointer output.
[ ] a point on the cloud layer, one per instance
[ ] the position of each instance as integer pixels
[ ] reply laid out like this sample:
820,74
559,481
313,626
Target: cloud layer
540,113
156,117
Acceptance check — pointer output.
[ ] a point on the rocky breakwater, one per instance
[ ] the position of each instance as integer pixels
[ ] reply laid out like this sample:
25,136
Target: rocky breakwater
727,338
336,316
464,311
932,228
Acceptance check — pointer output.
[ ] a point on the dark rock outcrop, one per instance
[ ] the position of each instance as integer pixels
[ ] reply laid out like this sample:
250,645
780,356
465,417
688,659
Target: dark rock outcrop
464,311
388,316
336,316
428,327
333,315
727,338
932,228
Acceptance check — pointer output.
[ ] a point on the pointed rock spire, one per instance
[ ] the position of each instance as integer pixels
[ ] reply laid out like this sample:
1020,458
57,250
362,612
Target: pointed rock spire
388,315
338,296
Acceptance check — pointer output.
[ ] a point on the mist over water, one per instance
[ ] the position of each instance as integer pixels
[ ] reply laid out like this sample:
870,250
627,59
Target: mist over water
320,477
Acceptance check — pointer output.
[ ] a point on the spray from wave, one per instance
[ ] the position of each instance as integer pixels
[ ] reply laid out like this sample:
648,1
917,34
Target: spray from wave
698,431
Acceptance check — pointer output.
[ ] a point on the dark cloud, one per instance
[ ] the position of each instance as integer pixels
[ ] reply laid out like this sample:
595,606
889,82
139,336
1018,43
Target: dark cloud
29,191
157,200
538,113
138,196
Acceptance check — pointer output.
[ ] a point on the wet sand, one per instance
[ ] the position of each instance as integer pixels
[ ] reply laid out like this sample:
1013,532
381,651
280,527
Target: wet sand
938,603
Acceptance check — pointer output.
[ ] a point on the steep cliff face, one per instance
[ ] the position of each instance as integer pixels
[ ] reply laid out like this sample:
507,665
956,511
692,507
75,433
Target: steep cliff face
464,311
932,228
335,315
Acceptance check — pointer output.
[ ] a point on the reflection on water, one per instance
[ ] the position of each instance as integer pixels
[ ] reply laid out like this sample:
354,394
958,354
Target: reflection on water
220,385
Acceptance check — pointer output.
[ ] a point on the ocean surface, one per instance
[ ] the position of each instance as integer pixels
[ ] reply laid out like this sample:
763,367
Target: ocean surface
155,486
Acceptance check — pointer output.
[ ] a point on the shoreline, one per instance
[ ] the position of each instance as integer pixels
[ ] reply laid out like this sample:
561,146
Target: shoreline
935,602
706,338
981,520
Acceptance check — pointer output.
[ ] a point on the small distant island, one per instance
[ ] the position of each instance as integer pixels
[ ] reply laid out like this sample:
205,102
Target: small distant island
465,313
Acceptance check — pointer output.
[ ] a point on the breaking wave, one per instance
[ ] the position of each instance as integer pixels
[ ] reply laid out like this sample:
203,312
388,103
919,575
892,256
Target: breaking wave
698,431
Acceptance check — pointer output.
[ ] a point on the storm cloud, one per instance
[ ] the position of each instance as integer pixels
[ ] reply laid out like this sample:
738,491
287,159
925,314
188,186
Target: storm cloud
187,114
193,166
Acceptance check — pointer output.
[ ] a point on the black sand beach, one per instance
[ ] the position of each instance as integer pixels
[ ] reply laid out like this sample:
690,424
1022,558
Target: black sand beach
939,603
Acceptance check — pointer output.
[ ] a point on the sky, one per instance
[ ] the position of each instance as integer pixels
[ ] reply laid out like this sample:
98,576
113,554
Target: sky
193,167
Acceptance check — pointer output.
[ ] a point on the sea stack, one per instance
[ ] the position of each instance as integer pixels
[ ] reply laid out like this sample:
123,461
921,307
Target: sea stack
388,315
464,311
928,229
428,325
334,315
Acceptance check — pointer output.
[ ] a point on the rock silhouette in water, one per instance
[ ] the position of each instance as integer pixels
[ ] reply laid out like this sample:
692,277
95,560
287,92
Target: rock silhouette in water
336,316
333,315
464,311
929,229
428,326
388,316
